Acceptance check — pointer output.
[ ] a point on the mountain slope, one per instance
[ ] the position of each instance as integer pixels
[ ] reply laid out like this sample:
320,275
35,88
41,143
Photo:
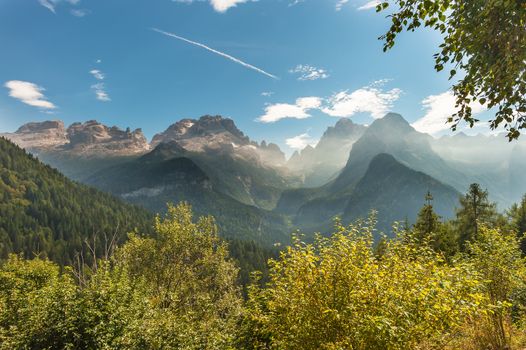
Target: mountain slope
397,192
391,134
169,174
321,163
42,212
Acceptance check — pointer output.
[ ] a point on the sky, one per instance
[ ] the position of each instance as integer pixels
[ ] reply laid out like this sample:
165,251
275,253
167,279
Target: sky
283,70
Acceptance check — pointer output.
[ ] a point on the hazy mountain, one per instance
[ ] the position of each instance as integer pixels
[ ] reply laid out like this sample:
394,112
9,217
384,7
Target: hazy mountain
321,163
170,174
82,148
394,190
250,173
397,192
392,134
490,160
215,133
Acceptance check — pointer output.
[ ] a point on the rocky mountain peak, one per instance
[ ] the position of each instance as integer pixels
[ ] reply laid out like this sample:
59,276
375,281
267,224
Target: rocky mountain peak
205,131
96,139
42,127
393,122
38,136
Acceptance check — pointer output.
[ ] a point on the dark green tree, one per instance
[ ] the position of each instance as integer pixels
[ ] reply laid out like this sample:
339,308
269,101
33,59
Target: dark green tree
484,41
517,218
475,209
427,222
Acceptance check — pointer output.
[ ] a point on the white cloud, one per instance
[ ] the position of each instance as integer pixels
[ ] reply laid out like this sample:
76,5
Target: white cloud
97,74
29,93
267,93
100,92
218,5
301,141
438,109
98,61
307,72
369,5
340,4
100,87
278,111
370,99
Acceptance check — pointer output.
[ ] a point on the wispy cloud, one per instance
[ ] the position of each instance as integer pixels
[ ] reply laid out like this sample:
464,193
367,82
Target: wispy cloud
278,111
369,5
301,141
437,109
236,60
369,99
80,12
267,93
372,99
307,72
29,93
99,88
100,92
97,74
52,4
340,4
218,5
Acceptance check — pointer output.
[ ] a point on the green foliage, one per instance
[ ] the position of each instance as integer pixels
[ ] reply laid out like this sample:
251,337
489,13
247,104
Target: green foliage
190,283
336,294
43,213
495,254
475,209
517,217
429,230
485,41
174,291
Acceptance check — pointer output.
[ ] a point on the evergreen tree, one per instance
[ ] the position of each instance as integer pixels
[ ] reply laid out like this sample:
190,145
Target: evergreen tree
517,218
475,209
427,222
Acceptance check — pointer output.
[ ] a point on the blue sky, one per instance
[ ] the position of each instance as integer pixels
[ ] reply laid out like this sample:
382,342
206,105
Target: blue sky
100,59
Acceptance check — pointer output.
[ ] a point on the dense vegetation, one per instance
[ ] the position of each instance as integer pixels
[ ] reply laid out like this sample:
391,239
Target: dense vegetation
43,213
431,287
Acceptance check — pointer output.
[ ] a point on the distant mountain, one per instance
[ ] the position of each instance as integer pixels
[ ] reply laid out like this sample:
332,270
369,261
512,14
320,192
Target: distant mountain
320,164
82,148
490,160
392,189
390,135
42,212
252,174
170,174
397,192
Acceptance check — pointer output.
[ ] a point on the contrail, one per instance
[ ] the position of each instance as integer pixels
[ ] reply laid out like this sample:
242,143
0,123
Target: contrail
216,52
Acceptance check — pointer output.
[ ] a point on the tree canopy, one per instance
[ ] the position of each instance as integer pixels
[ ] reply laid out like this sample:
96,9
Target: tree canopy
483,42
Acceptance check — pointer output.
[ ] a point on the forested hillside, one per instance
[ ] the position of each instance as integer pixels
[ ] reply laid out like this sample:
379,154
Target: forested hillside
44,213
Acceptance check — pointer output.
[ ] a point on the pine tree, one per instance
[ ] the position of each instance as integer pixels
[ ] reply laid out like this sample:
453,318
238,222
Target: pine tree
427,222
475,209
517,217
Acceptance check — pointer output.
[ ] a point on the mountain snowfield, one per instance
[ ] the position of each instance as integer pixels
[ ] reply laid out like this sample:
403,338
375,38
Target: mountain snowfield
250,186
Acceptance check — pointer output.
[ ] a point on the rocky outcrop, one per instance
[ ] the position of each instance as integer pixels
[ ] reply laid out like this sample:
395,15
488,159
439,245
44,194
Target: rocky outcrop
91,139
207,132
95,139
39,136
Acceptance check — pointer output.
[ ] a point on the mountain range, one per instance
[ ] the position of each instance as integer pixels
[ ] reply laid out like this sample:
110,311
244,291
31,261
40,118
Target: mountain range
257,194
